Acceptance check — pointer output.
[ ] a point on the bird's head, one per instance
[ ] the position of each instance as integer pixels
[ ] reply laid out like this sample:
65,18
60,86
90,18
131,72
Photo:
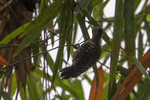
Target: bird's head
97,33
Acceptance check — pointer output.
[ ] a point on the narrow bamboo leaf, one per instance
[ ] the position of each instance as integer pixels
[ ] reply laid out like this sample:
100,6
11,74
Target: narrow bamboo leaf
101,8
121,61
95,24
14,85
133,77
59,59
105,49
82,25
105,92
43,5
91,19
140,67
67,86
147,28
136,2
81,6
122,58
144,93
35,51
75,32
115,46
38,72
138,20
87,79
6,96
96,2
123,71
23,97
44,18
32,88
79,89
107,40
140,46
129,30
69,39
69,21
65,24
14,34
105,86
66,18
50,61
90,7
35,27
96,75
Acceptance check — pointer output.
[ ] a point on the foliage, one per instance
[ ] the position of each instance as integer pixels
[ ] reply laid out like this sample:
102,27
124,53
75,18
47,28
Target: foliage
54,30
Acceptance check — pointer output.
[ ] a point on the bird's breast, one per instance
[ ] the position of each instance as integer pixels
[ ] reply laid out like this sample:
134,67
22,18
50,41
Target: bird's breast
87,55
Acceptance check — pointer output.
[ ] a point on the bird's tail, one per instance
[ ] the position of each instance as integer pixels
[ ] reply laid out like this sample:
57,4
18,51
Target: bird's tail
70,72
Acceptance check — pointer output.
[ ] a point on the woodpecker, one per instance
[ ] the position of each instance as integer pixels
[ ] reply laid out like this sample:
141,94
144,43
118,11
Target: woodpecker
85,56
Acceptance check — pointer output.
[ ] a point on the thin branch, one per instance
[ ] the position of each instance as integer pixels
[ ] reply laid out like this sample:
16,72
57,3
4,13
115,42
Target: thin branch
2,46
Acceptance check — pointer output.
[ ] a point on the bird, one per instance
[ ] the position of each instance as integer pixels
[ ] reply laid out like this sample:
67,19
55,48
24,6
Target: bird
85,56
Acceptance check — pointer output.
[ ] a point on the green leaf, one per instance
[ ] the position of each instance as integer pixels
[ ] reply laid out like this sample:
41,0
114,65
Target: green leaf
90,7
96,75
105,93
129,30
50,61
90,18
101,8
75,90
95,24
23,95
6,96
59,59
140,67
14,34
147,28
75,32
35,27
123,71
82,25
138,19
137,2
79,89
107,39
14,85
81,6
140,46
35,51
69,39
65,25
143,93
115,46
32,88
87,79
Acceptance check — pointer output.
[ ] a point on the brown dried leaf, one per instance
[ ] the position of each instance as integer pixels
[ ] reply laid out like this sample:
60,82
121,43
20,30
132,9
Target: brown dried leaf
96,92
132,79
2,61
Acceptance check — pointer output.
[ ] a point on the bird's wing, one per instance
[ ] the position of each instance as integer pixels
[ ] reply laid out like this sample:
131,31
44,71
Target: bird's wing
84,48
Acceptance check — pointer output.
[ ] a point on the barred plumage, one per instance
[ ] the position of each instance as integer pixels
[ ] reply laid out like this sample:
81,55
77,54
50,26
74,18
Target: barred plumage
85,56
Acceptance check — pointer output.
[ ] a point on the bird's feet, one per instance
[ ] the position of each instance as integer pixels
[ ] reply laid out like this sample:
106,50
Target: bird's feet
76,46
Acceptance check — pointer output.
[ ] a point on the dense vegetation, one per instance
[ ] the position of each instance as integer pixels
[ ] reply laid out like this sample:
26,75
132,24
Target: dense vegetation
34,48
